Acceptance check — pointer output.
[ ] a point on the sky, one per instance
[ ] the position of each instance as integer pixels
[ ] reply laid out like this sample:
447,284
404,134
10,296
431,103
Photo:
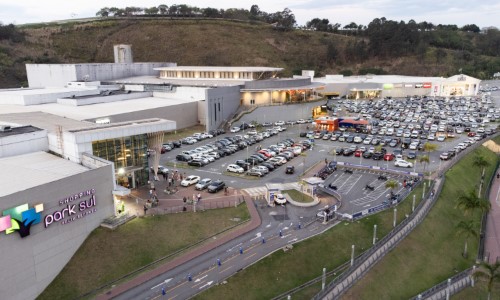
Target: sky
483,13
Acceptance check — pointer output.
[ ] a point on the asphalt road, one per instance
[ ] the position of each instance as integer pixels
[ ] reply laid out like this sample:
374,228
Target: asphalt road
205,270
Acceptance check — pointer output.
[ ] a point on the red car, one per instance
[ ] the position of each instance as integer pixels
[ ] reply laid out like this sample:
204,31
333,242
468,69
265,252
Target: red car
471,134
358,153
388,156
265,153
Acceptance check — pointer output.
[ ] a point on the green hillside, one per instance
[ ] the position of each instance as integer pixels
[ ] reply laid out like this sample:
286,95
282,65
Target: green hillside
229,43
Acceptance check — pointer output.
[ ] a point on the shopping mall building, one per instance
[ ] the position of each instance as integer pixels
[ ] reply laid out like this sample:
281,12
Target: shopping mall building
77,139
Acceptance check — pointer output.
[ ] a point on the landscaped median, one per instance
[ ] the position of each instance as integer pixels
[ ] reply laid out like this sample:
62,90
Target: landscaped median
107,255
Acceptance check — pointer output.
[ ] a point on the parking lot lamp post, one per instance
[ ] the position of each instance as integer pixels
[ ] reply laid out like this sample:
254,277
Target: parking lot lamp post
374,234
395,217
413,204
423,191
352,255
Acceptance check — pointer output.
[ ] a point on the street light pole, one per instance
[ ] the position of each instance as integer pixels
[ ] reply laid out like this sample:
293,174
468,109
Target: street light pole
395,215
352,255
374,234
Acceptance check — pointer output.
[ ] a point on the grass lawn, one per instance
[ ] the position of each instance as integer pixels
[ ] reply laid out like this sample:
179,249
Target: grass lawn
298,196
478,292
281,271
433,251
106,255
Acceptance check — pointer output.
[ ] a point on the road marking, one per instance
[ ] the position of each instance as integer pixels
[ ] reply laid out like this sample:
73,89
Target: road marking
286,236
208,284
250,256
231,249
201,278
208,270
206,171
257,235
292,240
196,285
165,282
172,297
226,269
177,286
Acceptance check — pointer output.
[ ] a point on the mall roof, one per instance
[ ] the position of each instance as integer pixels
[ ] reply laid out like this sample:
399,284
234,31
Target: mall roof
27,171
207,83
98,110
220,69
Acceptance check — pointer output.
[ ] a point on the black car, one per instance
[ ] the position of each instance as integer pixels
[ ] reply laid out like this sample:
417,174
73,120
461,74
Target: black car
216,186
183,157
245,165
290,170
411,155
177,144
349,139
269,166
244,126
348,152
377,156
195,163
367,154
339,151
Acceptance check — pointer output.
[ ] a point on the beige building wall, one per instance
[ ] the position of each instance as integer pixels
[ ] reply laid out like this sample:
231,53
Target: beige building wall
264,98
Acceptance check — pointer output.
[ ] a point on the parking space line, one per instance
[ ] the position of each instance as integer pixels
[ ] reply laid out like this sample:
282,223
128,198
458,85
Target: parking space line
250,256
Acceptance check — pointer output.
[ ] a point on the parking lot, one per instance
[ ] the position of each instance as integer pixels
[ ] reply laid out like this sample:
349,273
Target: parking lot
390,119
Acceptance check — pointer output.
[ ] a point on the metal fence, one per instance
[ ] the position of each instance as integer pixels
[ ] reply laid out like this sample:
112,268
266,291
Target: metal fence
451,286
200,206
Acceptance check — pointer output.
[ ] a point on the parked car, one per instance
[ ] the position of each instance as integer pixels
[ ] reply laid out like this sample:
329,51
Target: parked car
403,163
183,157
203,184
235,169
290,170
216,186
190,180
255,172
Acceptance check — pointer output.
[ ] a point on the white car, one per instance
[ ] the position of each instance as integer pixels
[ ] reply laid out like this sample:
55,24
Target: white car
301,121
235,169
234,129
441,138
403,163
279,123
190,180
203,184
280,199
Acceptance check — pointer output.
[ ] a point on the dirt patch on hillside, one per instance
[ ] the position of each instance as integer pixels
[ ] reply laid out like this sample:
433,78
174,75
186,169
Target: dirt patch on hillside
492,146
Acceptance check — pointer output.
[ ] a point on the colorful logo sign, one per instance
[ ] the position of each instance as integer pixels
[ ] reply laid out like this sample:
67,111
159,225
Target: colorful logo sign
20,219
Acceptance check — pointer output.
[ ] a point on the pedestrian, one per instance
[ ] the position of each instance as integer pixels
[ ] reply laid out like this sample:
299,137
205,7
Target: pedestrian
164,176
199,197
145,209
150,193
498,175
225,190
326,161
181,177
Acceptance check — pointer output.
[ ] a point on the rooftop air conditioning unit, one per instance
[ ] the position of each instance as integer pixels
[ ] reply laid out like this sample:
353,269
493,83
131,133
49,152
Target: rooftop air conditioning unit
4,128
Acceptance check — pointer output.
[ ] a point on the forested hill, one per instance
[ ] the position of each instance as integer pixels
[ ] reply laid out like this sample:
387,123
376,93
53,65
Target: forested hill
382,47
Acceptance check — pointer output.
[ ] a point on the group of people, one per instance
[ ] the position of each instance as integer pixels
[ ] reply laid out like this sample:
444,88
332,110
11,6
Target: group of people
171,179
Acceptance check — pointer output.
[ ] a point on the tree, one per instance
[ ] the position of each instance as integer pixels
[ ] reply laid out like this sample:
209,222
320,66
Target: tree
151,11
163,9
255,11
468,229
103,12
424,159
480,162
490,272
470,28
469,202
391,184
285,20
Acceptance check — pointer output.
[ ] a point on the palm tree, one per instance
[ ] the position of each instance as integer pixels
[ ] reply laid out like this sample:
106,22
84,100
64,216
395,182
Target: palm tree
468,229
428,147
469,202
424,159
490,272
391,184
481,162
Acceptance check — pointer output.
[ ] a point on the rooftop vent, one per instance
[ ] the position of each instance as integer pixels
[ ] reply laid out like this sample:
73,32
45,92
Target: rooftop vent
5,128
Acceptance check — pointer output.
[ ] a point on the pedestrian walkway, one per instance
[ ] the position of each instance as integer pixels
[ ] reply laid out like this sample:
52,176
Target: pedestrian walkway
492,240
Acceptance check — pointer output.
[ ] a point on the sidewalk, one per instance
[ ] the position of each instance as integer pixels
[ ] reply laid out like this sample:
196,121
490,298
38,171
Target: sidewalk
165,202
492,239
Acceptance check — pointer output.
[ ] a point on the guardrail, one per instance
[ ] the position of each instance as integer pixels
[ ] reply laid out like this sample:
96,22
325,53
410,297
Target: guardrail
451,286
484,220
